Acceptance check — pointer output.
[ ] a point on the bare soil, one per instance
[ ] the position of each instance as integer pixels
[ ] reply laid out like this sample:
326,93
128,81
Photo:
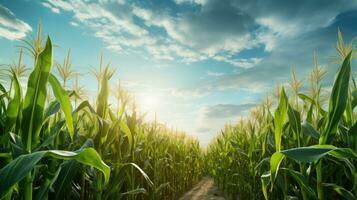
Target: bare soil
204,190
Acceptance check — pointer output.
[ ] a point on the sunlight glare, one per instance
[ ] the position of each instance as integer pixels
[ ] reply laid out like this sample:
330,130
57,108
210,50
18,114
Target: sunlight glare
149,104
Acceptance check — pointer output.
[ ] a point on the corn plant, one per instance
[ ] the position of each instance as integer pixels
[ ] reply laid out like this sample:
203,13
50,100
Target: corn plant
55,148
25,120
301,150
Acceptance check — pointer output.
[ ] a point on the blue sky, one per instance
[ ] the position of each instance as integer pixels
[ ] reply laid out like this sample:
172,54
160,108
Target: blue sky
197,64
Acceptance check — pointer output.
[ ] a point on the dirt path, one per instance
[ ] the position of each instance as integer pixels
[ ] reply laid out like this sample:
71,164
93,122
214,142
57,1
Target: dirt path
204,190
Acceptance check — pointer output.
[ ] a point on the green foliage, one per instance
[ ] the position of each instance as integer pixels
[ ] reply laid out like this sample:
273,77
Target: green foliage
35,98
338,99
50,148
17,169
279,118
63,98
300,152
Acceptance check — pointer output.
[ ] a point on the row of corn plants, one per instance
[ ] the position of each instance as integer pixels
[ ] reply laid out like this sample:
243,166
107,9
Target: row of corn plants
302,144
55,144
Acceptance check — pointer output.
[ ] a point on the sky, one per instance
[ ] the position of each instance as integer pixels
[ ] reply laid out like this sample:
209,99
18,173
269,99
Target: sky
194,64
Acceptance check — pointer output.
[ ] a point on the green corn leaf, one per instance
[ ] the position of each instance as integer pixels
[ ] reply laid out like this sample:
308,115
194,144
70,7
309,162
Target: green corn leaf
70,169
17,169
338,98
82,105
52,109
134,192
307,154
316,152
295,122
343,153
354,98
102,99
312,104
275,162
124,127
309,113
63,98
35,98
340,190
279,118
46,186
301,180
146,177
3,90
162,186
348,114
55,129
309,130
352,137
14,104
306,98
265,179
294,119
87,156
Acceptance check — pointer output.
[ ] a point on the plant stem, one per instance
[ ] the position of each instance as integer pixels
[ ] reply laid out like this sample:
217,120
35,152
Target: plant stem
302,170
320,191
99,187
83,189
28,187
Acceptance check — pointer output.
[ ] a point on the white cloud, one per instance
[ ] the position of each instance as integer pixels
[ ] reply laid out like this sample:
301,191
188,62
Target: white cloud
120,2
199,2
213,30
243,62
211,73
95,15
64,5
185,40
74,23
268,38
190,93
160,20
282,27
53,9
11,27
117,31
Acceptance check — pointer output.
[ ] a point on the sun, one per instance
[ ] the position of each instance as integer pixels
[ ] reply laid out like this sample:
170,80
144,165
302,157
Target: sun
149,104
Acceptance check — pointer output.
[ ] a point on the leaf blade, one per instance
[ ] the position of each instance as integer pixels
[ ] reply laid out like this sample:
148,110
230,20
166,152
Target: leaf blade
63,98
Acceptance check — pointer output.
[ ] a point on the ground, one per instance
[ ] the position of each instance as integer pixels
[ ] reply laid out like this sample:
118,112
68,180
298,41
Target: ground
204,190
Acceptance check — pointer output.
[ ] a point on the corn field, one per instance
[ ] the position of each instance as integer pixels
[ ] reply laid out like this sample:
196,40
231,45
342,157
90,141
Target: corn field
55,144
300,144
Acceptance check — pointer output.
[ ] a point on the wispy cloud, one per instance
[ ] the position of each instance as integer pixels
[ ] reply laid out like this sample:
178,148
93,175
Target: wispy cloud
243,62
11,27
210,31
211,73
190,93
52,8
199,2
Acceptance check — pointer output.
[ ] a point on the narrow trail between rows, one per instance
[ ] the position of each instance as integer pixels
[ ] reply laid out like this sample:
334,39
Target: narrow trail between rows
204,190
